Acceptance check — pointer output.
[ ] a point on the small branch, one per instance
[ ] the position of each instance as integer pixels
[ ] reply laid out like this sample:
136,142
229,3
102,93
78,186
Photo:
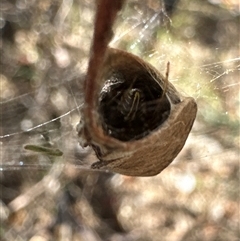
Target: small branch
106,14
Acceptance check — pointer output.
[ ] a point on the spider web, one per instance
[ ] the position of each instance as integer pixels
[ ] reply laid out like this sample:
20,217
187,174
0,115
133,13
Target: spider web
45,109
44,56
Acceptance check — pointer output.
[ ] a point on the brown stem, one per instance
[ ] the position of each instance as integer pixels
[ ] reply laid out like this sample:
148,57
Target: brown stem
106,13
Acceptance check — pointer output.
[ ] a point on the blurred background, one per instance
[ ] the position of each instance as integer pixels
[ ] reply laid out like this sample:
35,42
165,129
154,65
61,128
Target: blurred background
51,194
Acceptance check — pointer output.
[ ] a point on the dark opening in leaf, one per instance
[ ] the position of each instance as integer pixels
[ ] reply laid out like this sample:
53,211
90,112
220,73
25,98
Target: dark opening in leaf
131,106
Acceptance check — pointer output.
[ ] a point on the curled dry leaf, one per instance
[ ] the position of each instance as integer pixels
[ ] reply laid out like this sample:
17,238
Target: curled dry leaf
140,121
